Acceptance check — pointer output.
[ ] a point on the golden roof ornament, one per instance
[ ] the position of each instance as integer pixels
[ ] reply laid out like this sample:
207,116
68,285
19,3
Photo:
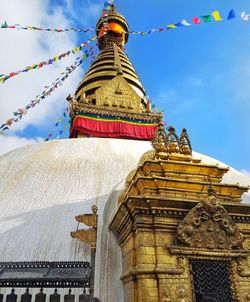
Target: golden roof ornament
159,141
168,145
87,235
185,144
172,140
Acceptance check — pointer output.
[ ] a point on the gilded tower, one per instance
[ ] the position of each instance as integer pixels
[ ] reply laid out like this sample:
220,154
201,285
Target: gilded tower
110,101
183,233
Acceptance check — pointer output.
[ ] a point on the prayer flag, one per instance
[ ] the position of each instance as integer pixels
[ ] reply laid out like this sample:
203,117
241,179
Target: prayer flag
244,16
179,24
196,20
185,23
231,15
216,16
206,18
170,26
5,25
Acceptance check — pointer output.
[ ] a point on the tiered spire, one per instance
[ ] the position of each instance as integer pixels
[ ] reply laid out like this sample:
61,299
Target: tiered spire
111,91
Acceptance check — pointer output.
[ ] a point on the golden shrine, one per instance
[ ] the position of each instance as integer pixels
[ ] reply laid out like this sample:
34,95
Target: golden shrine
183,233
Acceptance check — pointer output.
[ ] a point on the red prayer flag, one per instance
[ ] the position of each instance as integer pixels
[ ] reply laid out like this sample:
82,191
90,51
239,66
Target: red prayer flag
196,20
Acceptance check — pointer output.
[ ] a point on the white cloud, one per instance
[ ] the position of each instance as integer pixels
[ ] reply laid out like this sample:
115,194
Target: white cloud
22,48
11,142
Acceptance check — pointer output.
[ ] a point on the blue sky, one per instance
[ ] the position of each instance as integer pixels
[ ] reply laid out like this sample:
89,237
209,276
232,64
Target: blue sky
199,75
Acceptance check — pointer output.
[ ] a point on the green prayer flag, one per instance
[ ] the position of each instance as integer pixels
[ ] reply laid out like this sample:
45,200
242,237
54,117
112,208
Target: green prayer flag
5,25
206,18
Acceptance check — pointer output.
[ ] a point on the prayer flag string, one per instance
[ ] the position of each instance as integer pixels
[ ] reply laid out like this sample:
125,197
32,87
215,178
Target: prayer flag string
57,30
195,20
5,77
57,125
17,115
107,6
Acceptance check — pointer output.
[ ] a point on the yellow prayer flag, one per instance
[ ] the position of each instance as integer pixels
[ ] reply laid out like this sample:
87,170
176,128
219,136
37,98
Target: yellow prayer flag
171,26
216,15
75,50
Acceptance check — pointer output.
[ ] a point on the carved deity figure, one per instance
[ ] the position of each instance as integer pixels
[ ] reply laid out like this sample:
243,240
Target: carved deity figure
208,225
182,296
166,297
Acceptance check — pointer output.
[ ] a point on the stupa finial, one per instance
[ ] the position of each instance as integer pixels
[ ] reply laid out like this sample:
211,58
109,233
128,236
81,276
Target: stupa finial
112,27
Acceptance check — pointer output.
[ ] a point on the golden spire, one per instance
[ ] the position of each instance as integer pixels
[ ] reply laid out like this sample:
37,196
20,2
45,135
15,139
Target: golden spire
112,88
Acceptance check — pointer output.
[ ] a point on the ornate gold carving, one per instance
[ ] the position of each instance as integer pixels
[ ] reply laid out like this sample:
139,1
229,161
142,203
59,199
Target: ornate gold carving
78,107
243,267
145,239
170,269
149,155
208,225
119,93
175,294
170,146
130,176
160,141
117,61
87,236
173,144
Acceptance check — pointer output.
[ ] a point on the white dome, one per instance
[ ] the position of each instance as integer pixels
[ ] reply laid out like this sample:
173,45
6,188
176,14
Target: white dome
45,185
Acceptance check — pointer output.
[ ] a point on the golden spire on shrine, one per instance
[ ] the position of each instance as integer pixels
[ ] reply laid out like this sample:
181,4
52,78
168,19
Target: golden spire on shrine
111,90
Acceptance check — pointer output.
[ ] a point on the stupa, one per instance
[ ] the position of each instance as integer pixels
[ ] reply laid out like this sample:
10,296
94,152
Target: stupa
123,210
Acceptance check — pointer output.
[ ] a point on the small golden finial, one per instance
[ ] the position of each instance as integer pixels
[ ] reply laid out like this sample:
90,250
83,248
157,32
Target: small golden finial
173,140
159,140
185,144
